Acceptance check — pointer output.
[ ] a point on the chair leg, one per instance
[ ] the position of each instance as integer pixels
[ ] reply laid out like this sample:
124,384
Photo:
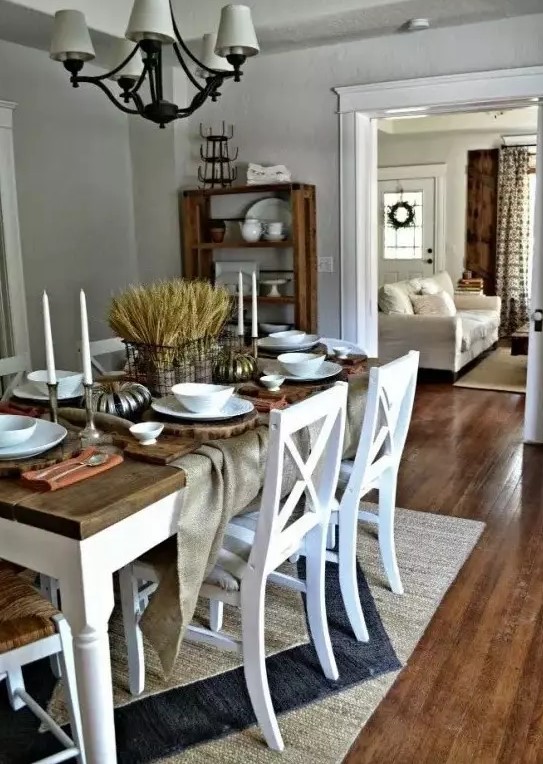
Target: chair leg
130,604
348,581
387,511
66,658
315,598
15,681
49,589
216,612
253,593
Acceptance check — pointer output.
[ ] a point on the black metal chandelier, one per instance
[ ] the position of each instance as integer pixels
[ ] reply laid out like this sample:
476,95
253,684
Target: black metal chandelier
139,57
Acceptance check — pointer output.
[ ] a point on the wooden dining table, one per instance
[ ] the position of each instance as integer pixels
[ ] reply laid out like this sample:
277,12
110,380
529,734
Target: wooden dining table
80,536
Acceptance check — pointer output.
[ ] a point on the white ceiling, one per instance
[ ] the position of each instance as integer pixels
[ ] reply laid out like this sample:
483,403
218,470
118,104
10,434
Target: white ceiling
281,24
510,121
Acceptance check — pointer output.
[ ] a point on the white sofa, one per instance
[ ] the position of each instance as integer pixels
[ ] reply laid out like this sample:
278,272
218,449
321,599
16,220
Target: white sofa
445,343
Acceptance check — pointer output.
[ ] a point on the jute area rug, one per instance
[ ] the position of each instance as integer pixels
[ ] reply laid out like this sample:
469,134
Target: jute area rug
318,719
500,371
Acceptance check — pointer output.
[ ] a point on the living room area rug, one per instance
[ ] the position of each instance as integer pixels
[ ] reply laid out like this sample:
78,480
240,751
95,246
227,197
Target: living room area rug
201,714
499,371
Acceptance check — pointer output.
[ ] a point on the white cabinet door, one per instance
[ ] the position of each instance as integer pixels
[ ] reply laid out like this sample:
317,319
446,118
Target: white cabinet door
406,253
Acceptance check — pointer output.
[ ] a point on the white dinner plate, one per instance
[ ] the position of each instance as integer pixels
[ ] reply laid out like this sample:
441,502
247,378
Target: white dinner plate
45,436
310,340
271,210
328,369
170,406
28,392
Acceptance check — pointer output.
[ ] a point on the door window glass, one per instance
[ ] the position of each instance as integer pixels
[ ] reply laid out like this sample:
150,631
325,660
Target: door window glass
403,243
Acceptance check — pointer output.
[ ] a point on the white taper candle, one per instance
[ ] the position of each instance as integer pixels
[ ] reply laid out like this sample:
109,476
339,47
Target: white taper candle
254,314
241,328
85,347
49,352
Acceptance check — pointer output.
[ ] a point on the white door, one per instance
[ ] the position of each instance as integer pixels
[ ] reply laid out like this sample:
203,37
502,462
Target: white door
407,229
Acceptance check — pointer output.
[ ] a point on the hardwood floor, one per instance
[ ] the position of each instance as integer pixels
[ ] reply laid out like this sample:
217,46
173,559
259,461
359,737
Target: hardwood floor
473,689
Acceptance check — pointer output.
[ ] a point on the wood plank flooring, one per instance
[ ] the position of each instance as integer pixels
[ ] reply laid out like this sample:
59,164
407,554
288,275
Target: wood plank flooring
473,689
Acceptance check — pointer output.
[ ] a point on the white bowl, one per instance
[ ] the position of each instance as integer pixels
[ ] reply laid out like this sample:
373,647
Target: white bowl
301,364
341,351
272,381
69,382
291,337
201,398
271,328
15,429
147,432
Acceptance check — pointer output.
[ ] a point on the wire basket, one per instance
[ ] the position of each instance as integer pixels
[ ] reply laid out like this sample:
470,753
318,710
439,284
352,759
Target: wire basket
160,367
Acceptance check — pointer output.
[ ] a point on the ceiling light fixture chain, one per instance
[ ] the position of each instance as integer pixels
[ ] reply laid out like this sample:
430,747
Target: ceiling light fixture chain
139,58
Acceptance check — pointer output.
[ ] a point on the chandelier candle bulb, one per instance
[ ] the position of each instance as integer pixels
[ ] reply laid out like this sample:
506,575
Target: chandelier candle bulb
241,327
85,346
49,352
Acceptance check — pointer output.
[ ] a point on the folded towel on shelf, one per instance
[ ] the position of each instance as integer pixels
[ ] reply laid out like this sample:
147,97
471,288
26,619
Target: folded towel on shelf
258,174
69,472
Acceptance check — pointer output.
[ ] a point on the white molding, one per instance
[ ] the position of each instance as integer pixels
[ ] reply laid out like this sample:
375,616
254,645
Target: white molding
358,106
413,171
439,92
12,240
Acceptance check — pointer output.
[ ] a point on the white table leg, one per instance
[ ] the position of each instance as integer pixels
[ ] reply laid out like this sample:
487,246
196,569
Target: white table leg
87,602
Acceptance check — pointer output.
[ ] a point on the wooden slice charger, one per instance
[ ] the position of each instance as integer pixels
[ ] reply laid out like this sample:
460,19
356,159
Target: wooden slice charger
70,447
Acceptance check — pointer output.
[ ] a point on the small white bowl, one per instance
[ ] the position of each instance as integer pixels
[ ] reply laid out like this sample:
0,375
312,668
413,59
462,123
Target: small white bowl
147,432
272,382
301,364
201,398
69,382
15,429
341,352
291,337
271,328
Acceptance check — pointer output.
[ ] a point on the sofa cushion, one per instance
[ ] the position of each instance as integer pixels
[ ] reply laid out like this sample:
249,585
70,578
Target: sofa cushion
439,282
396,297
477,325
440,304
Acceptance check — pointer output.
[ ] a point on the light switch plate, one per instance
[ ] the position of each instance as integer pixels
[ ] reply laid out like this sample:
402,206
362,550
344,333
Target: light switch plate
326,264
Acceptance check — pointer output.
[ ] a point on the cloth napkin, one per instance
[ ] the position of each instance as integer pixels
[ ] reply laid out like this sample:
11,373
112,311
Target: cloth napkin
20,409
51,480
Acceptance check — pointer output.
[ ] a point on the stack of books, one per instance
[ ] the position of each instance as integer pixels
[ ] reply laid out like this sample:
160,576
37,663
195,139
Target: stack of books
470,286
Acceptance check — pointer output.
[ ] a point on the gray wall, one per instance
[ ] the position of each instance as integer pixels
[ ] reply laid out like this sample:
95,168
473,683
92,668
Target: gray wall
284,110
74,184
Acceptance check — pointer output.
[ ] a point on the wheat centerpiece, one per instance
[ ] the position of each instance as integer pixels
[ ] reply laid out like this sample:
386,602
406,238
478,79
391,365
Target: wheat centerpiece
174,331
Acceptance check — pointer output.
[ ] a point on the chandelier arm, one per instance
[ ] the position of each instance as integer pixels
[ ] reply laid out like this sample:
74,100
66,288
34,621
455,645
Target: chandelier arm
138,102
152,87
158,76
97,81
143,75
107,75
201,97
185,68
185,47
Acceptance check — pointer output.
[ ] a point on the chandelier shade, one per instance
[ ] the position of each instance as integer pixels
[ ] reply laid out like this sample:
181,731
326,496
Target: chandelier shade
151,20
138,67
71,38
236,33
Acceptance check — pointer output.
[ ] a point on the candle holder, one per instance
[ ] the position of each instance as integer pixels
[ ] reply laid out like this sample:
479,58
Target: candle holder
53,401
241,340
255,348
90,433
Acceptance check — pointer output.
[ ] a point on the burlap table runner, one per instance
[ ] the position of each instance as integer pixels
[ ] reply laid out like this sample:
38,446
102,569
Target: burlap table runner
223,477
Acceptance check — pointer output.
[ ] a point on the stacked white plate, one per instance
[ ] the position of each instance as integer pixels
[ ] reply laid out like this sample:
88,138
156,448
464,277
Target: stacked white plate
28,391
272,345
170,406
46,435
327,370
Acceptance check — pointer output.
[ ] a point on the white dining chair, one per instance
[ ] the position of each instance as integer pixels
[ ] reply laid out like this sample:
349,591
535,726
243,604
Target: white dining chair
249,558
387,416
12,372
32,629
100,348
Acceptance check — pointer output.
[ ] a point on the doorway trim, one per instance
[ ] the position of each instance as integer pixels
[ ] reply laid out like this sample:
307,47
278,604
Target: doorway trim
359,108
438,173
10,226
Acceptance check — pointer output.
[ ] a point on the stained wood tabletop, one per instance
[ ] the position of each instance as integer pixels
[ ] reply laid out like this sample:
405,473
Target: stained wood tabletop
88,507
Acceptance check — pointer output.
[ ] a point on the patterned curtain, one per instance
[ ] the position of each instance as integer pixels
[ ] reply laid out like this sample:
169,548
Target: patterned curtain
513,239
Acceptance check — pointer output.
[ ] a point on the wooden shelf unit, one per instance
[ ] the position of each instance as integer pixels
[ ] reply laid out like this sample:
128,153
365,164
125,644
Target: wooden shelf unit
197,255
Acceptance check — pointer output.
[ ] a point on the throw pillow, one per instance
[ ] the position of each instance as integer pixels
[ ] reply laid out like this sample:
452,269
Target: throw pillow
440,304
395,298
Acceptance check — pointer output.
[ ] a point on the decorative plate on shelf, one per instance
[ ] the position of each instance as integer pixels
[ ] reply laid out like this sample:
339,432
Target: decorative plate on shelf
271,210
170,406
45,436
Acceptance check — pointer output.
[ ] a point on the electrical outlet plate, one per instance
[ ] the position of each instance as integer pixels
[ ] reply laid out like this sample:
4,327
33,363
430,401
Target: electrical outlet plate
326,264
